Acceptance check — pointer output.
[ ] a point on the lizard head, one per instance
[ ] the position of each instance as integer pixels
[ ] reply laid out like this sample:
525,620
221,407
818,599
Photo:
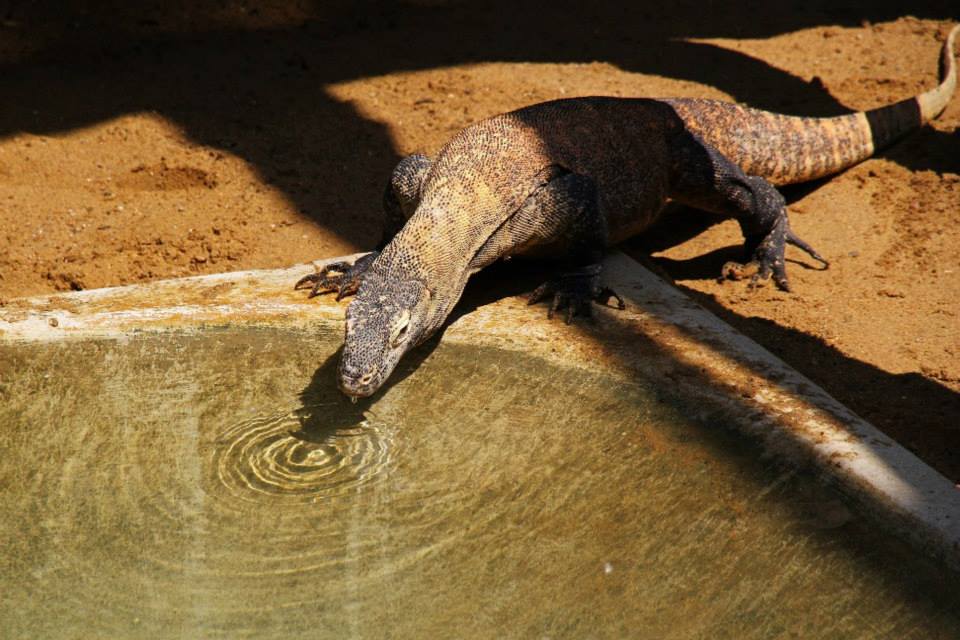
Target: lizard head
384,321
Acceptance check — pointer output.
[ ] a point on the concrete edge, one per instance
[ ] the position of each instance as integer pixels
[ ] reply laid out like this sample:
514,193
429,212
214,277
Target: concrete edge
663,333
238,297
798,421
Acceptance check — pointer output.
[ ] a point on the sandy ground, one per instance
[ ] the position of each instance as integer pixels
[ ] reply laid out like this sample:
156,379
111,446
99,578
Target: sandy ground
171,140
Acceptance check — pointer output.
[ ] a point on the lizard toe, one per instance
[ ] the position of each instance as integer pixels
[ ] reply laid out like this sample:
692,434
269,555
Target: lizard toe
605,294
540,293
740,271
793,239
779,273
559,301
768,257
307,280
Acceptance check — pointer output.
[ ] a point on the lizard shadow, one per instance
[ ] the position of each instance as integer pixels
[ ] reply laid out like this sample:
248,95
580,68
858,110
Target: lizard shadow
706,266
616,338
899,404
317,421
681,383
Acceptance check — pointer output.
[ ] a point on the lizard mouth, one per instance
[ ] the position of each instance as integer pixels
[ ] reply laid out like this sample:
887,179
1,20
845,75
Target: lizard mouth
361,386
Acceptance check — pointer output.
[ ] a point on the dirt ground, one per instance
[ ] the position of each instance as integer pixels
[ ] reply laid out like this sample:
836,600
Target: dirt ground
169,139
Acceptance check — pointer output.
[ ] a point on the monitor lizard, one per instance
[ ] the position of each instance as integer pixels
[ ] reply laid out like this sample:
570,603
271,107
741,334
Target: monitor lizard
570,177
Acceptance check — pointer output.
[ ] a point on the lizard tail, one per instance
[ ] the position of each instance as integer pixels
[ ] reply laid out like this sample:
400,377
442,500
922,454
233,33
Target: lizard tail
789,149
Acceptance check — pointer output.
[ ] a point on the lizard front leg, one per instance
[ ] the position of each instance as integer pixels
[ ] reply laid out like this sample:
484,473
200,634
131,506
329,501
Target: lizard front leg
704,178
400,200
565,212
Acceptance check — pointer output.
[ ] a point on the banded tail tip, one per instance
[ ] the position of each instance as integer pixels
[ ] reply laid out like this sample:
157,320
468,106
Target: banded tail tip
933,102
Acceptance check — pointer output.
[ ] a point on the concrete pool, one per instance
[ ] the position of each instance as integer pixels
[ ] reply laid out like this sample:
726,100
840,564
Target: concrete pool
189,469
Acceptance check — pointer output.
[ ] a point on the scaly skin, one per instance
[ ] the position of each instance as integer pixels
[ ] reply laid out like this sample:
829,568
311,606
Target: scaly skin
568,178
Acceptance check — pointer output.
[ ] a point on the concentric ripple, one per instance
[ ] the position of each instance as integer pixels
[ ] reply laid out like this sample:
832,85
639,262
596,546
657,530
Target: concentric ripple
270,456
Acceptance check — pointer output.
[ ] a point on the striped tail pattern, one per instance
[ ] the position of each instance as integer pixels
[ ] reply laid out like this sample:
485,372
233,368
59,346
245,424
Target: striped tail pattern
789,149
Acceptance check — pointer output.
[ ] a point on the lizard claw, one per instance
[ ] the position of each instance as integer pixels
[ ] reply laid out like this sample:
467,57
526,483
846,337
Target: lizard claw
575,292
800,244
342,277
768,258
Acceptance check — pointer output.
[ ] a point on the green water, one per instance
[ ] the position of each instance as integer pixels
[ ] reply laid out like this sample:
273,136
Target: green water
217,485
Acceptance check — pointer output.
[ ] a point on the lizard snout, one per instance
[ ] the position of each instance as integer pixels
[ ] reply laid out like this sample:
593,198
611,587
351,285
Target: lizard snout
354,383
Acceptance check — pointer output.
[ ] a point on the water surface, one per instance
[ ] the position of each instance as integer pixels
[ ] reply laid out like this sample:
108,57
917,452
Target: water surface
217,485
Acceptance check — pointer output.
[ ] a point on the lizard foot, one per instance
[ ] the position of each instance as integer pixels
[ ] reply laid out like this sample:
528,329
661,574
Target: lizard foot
768,257
576,291
342,277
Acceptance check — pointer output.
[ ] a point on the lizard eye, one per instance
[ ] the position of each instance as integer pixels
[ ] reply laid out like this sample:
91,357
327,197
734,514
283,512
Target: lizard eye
399,334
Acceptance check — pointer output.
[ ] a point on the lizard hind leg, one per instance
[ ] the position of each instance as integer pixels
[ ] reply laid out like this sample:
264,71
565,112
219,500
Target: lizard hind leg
766,230
706,179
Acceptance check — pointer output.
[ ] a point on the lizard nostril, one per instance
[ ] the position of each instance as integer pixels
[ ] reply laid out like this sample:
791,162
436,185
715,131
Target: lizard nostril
366,378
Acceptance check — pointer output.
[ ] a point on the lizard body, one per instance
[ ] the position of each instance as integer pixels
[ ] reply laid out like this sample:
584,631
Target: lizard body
570,177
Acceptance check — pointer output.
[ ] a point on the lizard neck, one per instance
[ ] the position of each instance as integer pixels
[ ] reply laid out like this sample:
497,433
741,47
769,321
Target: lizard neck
432,249
429,248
